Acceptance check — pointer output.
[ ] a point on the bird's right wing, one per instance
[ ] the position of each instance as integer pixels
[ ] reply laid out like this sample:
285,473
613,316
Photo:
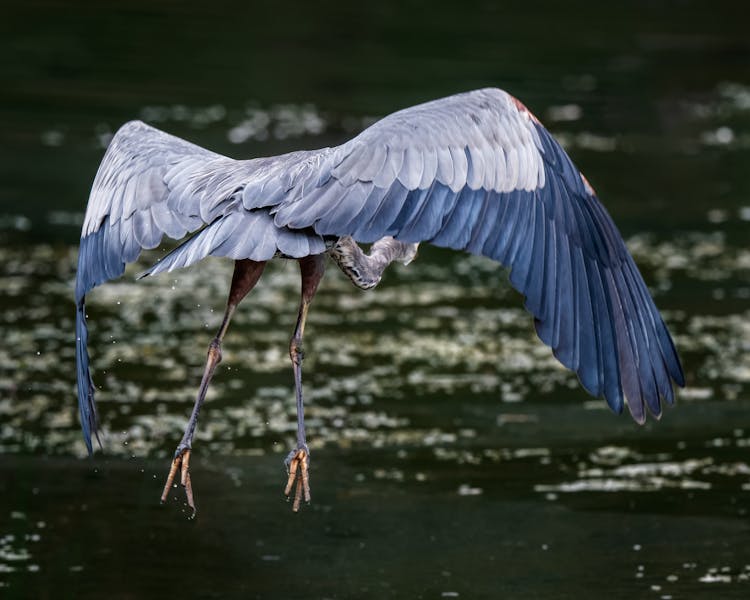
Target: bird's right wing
478,172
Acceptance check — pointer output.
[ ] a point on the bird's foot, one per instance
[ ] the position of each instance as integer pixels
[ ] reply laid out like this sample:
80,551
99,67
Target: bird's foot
181,461
297,464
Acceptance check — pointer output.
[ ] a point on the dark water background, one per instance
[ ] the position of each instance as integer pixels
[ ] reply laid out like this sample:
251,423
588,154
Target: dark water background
452,456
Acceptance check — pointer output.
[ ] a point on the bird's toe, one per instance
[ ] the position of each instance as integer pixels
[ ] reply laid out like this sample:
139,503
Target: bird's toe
297,463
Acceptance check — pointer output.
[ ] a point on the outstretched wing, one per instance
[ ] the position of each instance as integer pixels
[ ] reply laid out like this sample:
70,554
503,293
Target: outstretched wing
478,172
152,184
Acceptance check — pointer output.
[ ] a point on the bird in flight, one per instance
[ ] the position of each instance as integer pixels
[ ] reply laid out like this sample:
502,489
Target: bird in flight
475,171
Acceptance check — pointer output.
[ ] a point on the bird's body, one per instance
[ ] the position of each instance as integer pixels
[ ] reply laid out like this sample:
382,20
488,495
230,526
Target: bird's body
475,172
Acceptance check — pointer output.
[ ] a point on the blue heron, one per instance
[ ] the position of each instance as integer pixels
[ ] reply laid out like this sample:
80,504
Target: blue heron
475,171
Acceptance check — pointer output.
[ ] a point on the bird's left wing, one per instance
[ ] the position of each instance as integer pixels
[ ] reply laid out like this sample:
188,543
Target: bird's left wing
478,172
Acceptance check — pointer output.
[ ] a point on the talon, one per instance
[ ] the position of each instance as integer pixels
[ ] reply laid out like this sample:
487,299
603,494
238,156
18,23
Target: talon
170,479
305,479
181,461
185,473
297,498
292,476
299,477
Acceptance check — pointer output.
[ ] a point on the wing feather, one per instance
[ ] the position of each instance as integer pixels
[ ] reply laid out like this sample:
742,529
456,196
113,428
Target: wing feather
429,168
375,164
589,351
444,166
460,167
388,209
391,168
411,168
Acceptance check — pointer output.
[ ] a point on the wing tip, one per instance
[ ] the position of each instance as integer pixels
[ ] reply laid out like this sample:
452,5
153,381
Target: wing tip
86,394
639,418
678,372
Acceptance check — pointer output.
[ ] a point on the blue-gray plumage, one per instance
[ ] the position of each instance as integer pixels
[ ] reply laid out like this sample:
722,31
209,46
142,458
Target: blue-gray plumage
474,171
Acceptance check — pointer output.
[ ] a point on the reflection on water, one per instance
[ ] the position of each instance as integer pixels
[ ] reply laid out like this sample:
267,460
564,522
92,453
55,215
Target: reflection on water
451,455
16,550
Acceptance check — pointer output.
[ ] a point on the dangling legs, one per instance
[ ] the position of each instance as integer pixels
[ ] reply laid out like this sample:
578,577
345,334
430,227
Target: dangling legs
246,275
298,460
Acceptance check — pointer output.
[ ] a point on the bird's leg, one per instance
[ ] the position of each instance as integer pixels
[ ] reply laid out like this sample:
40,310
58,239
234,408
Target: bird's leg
246,275
298,460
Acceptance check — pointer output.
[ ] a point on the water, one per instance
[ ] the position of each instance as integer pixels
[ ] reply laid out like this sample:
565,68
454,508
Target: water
452,456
